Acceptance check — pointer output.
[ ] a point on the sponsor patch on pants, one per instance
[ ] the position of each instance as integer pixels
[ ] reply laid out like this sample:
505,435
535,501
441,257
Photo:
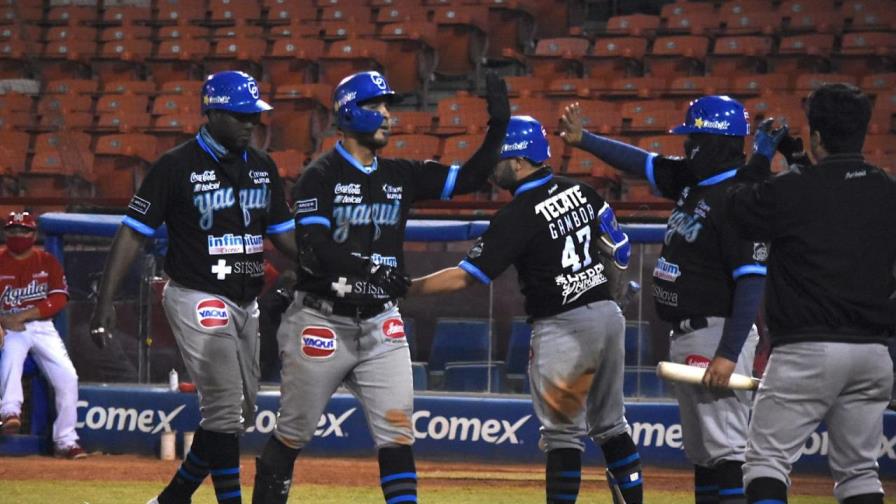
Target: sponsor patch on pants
697,361
318,342
393,329
212,313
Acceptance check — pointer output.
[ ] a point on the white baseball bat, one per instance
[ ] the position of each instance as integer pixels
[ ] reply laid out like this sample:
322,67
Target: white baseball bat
693,374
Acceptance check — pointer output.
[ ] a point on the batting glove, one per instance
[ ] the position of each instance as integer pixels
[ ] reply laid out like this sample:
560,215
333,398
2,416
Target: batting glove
388,278
766,140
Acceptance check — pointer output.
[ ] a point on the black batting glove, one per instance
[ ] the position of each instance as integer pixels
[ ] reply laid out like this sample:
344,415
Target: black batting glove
393,282
496,98
792,149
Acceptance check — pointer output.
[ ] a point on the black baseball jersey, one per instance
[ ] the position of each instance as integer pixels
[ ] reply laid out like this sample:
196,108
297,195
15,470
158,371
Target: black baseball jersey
549,232
702,255
365,210
217,212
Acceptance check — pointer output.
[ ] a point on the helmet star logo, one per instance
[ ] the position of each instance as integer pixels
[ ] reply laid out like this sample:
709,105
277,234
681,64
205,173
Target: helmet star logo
205,100
698,122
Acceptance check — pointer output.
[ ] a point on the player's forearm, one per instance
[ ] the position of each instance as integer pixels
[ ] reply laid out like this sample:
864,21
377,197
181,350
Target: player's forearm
747,296
49,307
446,280
286,243
475,172
622,156
125,246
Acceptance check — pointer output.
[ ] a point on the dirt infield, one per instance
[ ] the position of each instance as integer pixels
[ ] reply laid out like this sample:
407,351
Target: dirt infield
347,472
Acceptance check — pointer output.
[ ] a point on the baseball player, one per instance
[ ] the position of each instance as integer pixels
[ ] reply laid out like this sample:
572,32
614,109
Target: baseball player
33,292
566,245
219,198
707,283
831,230
344,327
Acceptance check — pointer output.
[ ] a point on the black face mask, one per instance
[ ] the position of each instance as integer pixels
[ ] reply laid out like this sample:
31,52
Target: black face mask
708,155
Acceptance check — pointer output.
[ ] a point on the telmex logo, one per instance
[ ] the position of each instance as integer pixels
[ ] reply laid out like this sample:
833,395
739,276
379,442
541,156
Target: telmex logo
492,431
659,435
515,146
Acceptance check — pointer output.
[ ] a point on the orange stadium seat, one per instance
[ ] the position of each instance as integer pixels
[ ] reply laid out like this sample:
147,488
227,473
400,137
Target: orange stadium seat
668,145
877,18
54,104
751,85
289,163
524,84
866,52
459,148
634,25
582,88
616,56
341,30
511,27
65,121
558,58
461,38
804,53
62,140
881,117
141,87
120,162
675,56
127,32
15,102
585,164
74,86
175,104
639,191
326,144
885,143
188,87
643,87
346,57
126,15
543,109
655,120
815,20
598,116
227,11
558,150
68,33
878,83
71,15
345,13
18,120
16,144
791,8
697,85
20,12
238,30
411,57
181,31
552,18
185,122
419,147
737,55
633,109
131,103
236,54
679,8
290,12
738,7
411,121
694,23
123,122
64,59
293,60
752,23
121,59
805,83
300,114
179,59
461,114
17,58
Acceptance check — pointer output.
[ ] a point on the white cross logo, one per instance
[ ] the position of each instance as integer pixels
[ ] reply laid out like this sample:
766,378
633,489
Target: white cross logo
221,269
341,287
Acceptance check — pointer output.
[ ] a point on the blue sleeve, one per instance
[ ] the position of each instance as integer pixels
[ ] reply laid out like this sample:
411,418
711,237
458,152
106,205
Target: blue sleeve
623,156
747,296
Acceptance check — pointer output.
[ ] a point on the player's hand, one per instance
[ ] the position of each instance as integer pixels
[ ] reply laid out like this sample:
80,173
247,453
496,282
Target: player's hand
766,140
496,98
2,336
12,322
102,322
718,373
571,124
792,149
388,278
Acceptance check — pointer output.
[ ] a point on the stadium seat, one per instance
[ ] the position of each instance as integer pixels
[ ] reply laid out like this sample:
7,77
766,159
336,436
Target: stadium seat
752,85
239,31
694,23
67,59
654,121
227,11
792,8
299,115
540,108
16,102
71,14
236,54
601,117
575,88
862,53
411,121
737,7
676,56
186,87
181,31
511,27
524,85
752,23
55,104
679,8
880,143
20,12
66,159
176,104
126,15
17,58
552,18
346,57
881,121
62,140
697,85
877,18
18,120
458,340
121,60
459,148
131,103
643,87
74,86
120,162
138,87
182,124
420,147
805,83
66,33
178,59
461,40
461,114
293,60
15,144
558,58
732,56
419,374
878,83
346,29
280,12
633,25
587,165
619,56
123,122
474,377
804,53
631,110
77,121
400,12
815,20
411,57
289,163
668,145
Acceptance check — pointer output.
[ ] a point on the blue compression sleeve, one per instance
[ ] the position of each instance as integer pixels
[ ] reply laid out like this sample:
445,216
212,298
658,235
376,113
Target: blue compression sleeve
623,156
747,296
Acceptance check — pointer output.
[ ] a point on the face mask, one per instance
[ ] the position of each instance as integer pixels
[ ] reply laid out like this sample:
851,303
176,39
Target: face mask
504,177
708,155
19,244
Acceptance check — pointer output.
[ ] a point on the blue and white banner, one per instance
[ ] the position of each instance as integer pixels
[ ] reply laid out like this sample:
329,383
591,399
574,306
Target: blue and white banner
131,419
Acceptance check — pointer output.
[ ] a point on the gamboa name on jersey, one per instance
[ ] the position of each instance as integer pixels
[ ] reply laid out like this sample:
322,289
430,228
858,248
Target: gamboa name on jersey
12,297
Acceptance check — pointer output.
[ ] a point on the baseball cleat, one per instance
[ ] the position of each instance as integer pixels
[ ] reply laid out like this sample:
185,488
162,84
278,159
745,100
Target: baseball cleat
73,452
11,424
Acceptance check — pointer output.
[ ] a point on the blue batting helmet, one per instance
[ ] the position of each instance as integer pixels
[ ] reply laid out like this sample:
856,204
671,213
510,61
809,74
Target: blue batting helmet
715,115
526,138
232,91
354,90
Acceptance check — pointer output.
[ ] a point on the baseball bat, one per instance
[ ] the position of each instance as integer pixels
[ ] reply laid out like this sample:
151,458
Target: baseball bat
693,374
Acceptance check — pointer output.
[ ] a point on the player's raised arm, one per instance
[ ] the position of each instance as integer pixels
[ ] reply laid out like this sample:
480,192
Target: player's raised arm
622,156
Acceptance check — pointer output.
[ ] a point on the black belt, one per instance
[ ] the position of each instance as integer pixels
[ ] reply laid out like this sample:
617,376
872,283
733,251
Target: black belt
329,307
689,325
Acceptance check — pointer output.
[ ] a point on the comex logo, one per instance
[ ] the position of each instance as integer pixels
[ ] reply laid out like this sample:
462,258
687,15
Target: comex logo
492,431
127,419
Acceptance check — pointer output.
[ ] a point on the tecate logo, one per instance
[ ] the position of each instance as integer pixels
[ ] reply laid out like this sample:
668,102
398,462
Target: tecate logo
212,313
126,419
491,430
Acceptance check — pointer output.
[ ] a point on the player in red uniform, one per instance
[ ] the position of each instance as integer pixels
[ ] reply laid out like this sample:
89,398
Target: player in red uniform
32,291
